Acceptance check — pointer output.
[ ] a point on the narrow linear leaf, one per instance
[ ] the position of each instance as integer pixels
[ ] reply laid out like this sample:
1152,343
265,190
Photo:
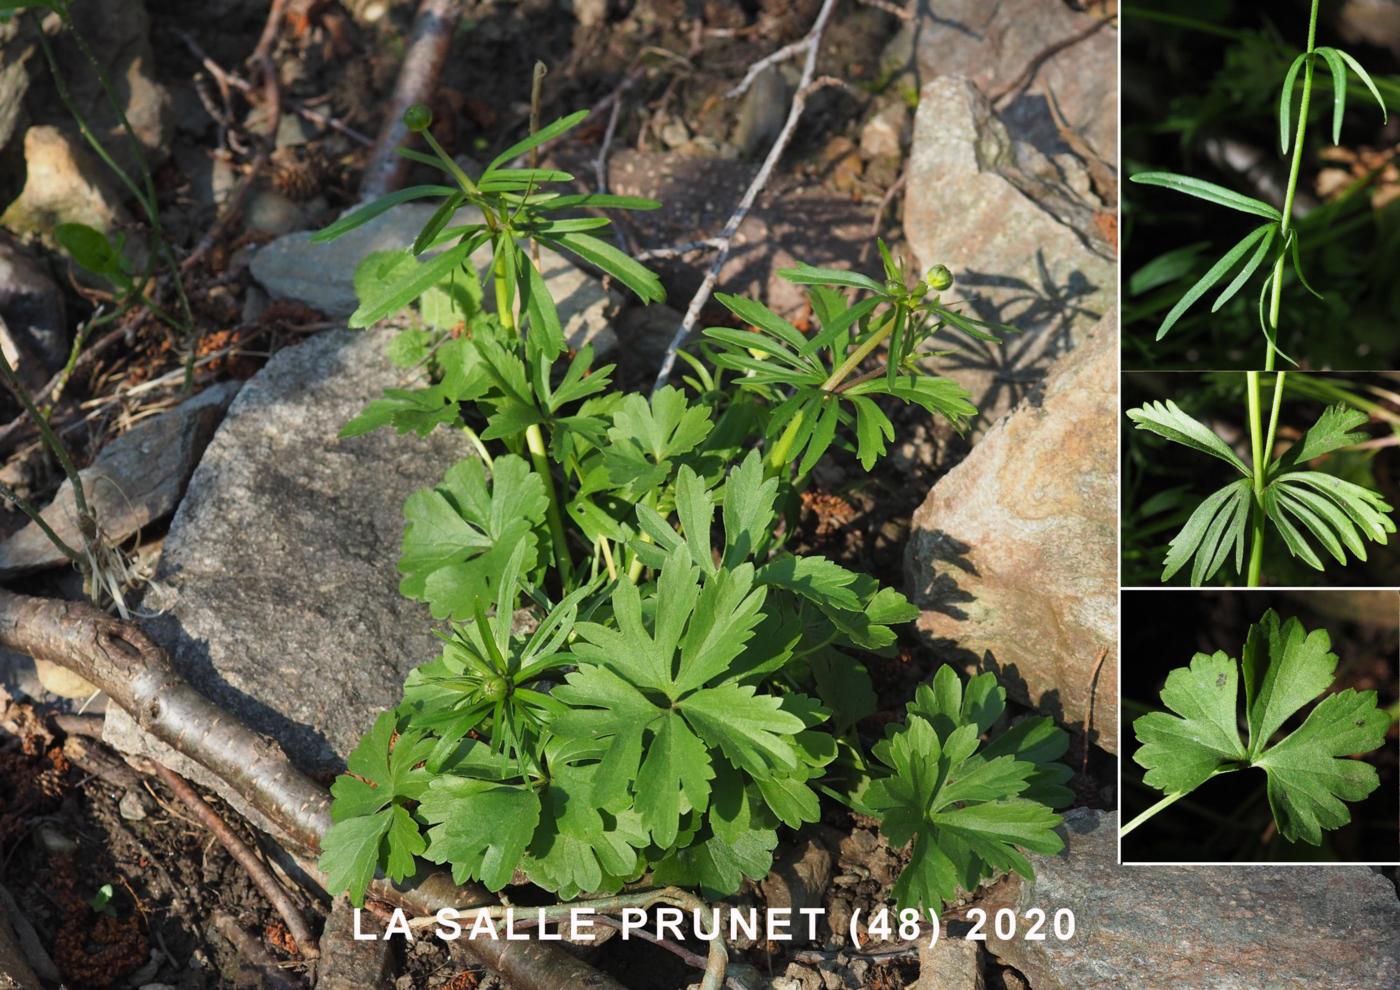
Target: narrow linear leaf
1216,273
1208,191
1285,105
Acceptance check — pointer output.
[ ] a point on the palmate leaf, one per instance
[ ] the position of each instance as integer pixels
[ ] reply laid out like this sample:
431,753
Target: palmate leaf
1305,507
460,534
370,827
1285,667
966,810
1216,526
479,827
1337,513
660,690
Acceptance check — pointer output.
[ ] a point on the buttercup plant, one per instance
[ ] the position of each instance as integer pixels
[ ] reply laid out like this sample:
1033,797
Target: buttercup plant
638,674
1304,506
1284,668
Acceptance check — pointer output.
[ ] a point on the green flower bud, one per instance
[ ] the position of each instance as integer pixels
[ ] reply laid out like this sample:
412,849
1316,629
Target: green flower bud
894,287
496,689
418,118
938,278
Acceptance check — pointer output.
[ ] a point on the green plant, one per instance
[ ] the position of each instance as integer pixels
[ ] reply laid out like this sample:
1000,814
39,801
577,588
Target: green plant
1304,506
1284,668
639,674
1276,240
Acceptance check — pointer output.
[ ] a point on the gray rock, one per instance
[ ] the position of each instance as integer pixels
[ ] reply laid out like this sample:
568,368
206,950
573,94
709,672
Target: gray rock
322,275
32,321
1020,240
137,479
991,44
950,964
762,113
799,878
280,559
1216,928
884,134
269,212
1012,557
1372,22
64,183
348,963
118,32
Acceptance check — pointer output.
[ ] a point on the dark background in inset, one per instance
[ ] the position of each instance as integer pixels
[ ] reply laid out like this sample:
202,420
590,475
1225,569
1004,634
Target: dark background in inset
1163,481
1228,818
1201,84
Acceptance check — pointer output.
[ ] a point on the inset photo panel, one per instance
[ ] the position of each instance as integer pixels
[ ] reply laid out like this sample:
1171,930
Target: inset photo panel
1259,726
1260,193
1253,479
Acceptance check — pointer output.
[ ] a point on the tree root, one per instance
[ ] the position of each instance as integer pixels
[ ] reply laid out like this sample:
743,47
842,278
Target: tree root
136,674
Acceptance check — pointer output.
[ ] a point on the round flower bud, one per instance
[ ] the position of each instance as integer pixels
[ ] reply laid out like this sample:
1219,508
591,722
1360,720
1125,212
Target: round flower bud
418,118
938,278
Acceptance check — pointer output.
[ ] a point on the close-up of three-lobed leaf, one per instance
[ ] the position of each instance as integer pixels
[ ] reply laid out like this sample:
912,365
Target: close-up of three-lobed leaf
1310,775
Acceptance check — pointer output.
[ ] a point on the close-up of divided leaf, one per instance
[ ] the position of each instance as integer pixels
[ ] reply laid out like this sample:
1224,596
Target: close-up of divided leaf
1313,771
1293,498
967,808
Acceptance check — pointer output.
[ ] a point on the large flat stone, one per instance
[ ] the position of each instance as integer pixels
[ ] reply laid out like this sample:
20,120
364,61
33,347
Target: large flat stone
1013,555
281,558
136,480
1203,928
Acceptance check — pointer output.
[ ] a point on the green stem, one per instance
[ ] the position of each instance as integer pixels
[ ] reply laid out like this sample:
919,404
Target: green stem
778,459
145,194
504,310
539,451
1273,418
858,355
1295,167
1256,443
1167,801
782,450
539,457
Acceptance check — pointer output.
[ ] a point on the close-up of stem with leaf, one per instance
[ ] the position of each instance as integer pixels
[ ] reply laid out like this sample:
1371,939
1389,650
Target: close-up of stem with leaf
1297,498
1278,246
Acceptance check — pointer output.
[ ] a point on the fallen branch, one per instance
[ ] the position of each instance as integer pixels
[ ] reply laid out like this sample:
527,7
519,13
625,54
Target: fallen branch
257,871
254,954
422,64
809,45
136,674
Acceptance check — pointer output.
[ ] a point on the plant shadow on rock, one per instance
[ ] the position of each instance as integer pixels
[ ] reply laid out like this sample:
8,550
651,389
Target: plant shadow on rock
1046,315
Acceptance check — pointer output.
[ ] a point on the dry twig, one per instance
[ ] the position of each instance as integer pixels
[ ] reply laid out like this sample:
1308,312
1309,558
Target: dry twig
257,870
422,64
254,953
137,675
808,46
